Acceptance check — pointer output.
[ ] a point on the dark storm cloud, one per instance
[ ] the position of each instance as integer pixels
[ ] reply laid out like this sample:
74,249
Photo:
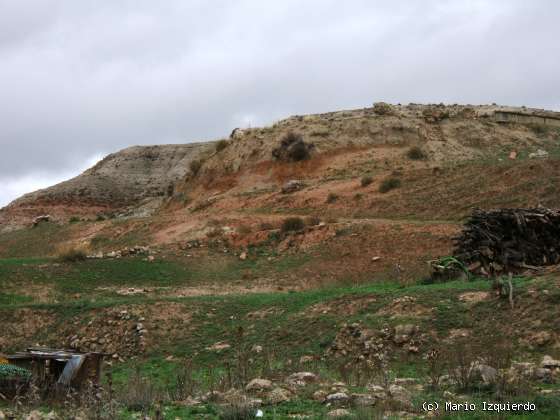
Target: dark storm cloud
83,78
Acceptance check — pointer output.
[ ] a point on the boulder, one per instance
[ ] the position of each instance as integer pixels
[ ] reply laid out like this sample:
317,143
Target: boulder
404,332
401,395
320,395
550,363
302,378
258,385
292,186
338,398
339,413
486,374
278,395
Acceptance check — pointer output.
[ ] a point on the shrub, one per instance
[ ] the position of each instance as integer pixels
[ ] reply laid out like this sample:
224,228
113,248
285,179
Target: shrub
332,197
366,180
292,148
389,184
195,166
416,153
293,224
221,145
312,220
266,226
139,394
74,219
72,255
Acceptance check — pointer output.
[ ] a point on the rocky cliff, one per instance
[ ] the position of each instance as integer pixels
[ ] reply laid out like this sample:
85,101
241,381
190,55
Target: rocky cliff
136,176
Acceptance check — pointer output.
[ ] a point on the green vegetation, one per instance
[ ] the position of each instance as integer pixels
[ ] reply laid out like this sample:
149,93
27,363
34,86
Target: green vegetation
221,145
416,153
366,180
389,184
292,224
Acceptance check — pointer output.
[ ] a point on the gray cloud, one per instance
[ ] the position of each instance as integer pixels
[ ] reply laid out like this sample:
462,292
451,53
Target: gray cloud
79,79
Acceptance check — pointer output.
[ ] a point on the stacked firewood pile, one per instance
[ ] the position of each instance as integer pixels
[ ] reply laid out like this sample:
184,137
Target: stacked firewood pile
497,242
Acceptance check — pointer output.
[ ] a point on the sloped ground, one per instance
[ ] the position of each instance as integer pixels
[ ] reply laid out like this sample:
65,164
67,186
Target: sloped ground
229,294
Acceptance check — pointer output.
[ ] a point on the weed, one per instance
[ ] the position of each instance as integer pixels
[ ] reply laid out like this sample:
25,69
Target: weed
72,255
389,184
221,145
416,153
366,180
293,224
139,394
332,197
195,166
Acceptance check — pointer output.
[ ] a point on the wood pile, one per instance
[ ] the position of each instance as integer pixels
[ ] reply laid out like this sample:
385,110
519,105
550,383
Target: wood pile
496,242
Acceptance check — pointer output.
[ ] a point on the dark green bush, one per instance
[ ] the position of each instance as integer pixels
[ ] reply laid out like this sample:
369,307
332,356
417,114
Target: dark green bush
195,166
72,255
366,180
293,224
389,184
221,145
332,197
416,153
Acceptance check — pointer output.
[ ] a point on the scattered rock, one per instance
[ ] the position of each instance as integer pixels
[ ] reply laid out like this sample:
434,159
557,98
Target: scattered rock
256,349
378,391
486,373
404,332
320,395
258,385
306,359
219,346
243,256
338,398
278,395
292,186
401,395
302,378
550,363
338,413
540,153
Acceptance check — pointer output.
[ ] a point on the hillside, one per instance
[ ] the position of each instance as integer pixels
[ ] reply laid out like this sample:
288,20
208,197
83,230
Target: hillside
286,269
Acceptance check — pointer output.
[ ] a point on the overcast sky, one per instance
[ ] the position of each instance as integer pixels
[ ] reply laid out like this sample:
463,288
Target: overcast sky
80,79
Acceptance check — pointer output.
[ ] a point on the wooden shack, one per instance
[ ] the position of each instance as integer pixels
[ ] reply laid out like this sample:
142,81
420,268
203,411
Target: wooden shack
54,367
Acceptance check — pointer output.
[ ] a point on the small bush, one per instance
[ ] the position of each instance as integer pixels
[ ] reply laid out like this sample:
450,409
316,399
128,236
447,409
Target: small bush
358,196
366,180
416,153
195,166
139,394
332,197
266,226
312,220
72,255
292,148
293,224
221,145
389,184
74,219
